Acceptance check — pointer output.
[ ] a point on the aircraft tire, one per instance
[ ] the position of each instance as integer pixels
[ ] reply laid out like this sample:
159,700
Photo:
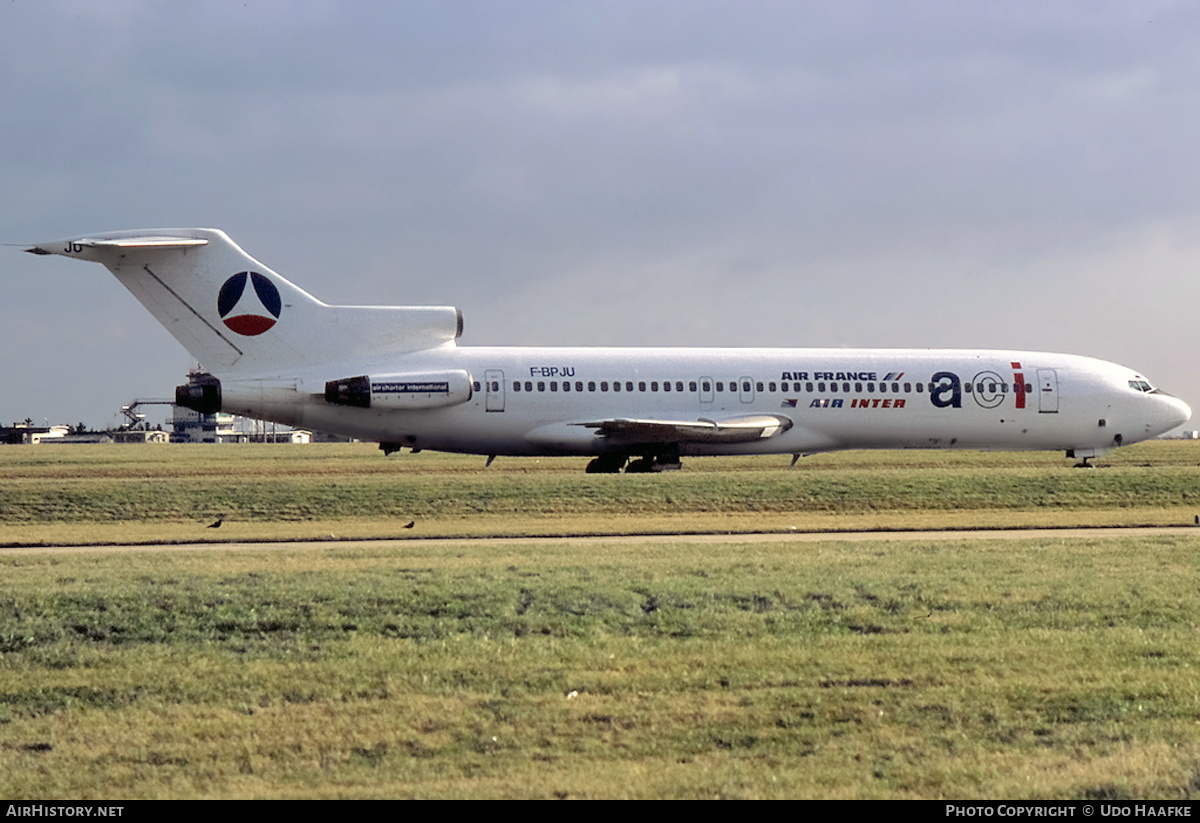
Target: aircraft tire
606,464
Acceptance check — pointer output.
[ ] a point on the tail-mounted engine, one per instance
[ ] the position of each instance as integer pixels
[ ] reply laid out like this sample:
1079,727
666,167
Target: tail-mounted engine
426,390
202,393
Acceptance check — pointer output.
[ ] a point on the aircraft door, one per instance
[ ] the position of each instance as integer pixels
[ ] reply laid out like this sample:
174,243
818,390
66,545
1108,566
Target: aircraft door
1047,391
493,384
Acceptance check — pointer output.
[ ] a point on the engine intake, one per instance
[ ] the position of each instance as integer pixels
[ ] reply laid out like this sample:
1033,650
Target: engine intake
202,393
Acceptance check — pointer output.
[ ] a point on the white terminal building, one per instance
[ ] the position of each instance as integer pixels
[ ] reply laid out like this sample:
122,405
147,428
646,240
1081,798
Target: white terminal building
188,426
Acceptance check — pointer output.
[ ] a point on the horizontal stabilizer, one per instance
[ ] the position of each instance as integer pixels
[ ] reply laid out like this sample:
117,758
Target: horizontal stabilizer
146,242
743,429
153,242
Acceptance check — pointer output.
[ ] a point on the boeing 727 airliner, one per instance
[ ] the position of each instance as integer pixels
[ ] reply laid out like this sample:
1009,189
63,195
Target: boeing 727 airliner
396,375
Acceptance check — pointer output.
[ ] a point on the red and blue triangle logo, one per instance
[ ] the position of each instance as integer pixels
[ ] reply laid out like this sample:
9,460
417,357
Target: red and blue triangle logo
249,312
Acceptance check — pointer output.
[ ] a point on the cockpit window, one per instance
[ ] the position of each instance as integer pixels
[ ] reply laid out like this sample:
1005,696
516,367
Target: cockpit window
1140,385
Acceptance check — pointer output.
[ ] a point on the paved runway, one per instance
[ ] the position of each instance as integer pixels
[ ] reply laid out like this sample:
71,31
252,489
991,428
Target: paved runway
773,537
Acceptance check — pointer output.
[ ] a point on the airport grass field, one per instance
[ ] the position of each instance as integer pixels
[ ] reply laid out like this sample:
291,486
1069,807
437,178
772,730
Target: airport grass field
1047,667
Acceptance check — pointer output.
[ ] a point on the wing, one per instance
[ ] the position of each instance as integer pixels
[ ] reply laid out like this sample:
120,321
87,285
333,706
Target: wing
704,430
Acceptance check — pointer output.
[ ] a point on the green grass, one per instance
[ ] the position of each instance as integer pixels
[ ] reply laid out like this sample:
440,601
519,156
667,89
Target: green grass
112,494
1055,668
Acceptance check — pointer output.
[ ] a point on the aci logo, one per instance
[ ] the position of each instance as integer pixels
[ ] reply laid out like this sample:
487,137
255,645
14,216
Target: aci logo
249,312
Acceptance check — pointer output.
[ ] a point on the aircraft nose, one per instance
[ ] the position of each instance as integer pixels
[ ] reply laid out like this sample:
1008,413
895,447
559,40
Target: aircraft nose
1183,412
1174,412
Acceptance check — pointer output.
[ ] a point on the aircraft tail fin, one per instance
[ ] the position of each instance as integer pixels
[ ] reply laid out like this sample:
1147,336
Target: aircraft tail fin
237,316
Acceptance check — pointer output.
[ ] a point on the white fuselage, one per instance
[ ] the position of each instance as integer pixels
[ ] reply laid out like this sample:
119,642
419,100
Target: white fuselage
532,401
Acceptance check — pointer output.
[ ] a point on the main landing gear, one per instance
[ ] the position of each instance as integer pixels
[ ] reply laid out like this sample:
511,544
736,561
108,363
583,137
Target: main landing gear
656,463
607,464
613,463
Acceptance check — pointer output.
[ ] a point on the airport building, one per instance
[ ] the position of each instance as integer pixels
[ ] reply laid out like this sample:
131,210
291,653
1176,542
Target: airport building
28,434
140,436
189,426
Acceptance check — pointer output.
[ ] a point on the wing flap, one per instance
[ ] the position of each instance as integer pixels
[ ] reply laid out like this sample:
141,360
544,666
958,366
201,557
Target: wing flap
745,429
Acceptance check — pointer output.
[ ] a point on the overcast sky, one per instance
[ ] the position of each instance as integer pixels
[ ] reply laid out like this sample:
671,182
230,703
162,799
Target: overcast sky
960,174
